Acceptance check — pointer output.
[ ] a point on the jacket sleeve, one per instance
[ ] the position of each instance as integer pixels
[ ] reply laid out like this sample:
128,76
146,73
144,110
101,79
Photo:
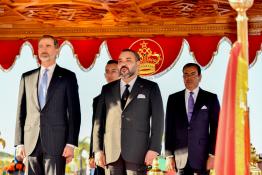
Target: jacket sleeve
74,114
21,114
169,125
214,115
157,124
99,123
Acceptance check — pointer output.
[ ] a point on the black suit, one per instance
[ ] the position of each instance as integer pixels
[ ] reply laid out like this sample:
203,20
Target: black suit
133,130
191,142
57,124
98,170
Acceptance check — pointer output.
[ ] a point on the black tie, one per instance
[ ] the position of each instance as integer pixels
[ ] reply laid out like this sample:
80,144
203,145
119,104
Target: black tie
125,96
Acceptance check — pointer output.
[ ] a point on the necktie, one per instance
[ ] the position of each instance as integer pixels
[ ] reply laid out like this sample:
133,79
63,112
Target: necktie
43,89
190,106
125,96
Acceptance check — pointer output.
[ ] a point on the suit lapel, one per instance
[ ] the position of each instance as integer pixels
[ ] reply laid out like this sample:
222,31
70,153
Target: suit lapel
183,107
116,92
198,104
135,90
53,83
35,77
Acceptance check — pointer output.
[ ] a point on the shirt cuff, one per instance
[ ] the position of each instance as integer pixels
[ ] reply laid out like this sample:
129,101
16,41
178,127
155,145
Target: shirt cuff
19,146
70,145
211,155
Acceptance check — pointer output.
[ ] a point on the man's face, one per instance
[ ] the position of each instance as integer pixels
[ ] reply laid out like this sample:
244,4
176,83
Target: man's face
47,51
111,72
127,64
191,78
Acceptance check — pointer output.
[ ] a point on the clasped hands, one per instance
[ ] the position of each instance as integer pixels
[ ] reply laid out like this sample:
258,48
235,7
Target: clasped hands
101,161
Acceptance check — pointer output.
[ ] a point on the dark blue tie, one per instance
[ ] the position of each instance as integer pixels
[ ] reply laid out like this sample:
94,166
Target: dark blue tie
190,106
43,89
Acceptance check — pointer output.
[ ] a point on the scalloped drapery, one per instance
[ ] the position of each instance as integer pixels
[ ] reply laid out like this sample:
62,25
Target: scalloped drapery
202,47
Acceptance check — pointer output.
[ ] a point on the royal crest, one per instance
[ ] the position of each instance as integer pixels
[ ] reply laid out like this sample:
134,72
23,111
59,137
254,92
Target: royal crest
151,54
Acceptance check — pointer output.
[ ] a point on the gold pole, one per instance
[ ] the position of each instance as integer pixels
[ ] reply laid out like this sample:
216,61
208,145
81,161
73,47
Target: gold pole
241,6
243,133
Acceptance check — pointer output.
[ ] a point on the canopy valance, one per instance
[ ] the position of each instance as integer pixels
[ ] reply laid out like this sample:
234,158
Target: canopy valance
157,53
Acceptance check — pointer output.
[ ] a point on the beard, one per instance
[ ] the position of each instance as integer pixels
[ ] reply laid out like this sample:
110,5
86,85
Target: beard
125,72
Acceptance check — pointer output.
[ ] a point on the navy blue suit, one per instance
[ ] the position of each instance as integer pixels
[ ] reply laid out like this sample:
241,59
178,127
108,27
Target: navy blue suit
191,142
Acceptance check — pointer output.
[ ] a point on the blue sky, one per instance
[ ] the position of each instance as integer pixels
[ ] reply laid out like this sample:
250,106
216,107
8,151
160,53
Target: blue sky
91,81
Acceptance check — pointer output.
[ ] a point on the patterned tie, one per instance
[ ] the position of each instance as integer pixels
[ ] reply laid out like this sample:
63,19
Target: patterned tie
125,96
190,106
43,89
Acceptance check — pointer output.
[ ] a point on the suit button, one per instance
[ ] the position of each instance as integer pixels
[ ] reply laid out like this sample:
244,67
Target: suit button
122,116
189,128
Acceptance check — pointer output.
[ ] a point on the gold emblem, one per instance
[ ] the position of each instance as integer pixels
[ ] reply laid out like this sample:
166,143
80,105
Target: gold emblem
151,54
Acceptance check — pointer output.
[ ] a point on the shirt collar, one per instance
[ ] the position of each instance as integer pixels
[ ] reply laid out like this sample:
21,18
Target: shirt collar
50,69
195,91
131,83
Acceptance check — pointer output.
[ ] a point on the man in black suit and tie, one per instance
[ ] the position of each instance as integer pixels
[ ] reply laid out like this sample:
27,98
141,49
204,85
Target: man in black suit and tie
191,126
48,114
129,121
111,74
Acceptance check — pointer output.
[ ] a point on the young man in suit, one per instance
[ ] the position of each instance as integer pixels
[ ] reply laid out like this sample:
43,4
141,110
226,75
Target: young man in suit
111,74
191,126
48,114
129,121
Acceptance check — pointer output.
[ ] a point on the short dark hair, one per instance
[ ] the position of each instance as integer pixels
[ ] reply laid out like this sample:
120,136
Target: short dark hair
111,62
132,51
56,44
193,65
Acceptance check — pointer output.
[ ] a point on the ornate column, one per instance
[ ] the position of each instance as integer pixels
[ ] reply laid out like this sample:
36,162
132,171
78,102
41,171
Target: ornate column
241,6
243,133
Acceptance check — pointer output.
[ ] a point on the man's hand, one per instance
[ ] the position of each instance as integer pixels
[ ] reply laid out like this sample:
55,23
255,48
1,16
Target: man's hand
150,156
100,159
210,162
170,164
68,153
20,153
91,163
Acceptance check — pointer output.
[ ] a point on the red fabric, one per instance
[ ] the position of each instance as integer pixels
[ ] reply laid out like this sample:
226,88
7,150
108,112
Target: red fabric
86,50
254,43
9,49
203,47
225,144
171,47
226,160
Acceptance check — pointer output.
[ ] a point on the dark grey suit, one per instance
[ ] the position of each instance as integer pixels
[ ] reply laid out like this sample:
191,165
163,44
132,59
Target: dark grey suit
128,132
191,142
58,123
98,170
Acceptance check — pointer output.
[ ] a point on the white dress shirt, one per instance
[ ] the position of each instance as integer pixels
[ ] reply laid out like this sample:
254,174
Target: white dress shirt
123,85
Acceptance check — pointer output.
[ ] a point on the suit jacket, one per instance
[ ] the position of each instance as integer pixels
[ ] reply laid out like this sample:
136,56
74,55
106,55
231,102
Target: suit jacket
129,132
95,101
191,141
98,170
58,123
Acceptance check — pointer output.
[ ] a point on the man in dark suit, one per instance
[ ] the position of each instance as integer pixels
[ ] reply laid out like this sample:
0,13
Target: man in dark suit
48,114
111,74
129,121
191,126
